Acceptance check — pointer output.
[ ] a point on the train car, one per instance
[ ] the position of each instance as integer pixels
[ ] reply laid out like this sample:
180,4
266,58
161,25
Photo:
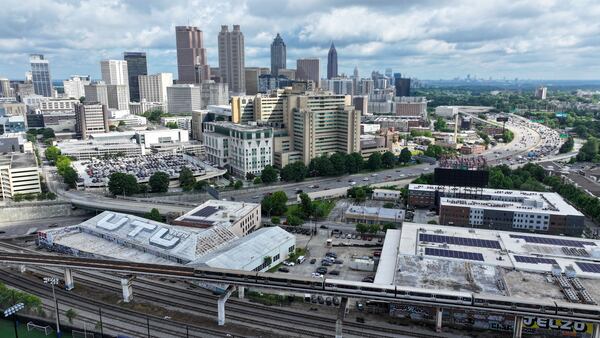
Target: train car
511,303
282,280
360,288
231,275
578,310
441,296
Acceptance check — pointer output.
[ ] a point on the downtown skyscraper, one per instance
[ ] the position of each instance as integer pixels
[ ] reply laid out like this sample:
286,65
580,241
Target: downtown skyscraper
136,66
332,62
192,64
40,75
278,55
231,59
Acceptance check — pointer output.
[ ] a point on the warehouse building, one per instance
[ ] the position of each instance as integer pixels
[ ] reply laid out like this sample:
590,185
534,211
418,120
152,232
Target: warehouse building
372,215
131,238
510,210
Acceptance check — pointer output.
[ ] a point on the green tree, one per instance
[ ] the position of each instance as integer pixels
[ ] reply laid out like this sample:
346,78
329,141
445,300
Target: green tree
508,136
374,161
154,115
389,205
172,125
275,220
250,176
360,195
48,133
122,184
567,146
257,180
154,215
434,151
354,163
294,172
199,185
306,205
589,150
294,220
338,160
388,226
52,153
238,184
388,160
373,228
405,155
186,179
159,182
362,228
268,174
440,124
275,204
70,177
71,314
62,163
321,166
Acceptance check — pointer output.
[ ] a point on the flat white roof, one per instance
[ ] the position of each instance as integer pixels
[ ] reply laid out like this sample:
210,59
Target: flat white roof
487,261
551,201
218,212
373,211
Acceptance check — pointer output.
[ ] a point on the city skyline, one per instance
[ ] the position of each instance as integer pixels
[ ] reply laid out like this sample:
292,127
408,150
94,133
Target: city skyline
427,40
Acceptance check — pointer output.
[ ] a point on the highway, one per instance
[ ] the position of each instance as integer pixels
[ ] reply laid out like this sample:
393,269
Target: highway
296,284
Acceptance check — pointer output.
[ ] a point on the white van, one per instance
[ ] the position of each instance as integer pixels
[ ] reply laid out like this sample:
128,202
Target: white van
301,259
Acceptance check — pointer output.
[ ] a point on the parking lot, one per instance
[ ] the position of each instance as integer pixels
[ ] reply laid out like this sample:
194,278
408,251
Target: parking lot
316,249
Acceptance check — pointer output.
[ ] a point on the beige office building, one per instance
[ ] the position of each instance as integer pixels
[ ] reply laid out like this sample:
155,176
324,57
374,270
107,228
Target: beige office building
231,59
308,69
19,174
91,118
242,108
153,88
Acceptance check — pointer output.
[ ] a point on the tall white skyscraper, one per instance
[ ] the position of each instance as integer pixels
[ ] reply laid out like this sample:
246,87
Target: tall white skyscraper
231,58
184,98
114,72
153,88
74,86
40,75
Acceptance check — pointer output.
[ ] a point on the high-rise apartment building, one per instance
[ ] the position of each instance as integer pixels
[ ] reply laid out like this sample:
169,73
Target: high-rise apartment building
40,75
90,118
269,108
251,78
308,69
231,59
540,93
19,174
339,85
191,55
5,90
153,88
322,123
332,62
278,55
136,66
74,86
402,86
242,108
243,149
114,72
184,98
118,97
213,93
96,92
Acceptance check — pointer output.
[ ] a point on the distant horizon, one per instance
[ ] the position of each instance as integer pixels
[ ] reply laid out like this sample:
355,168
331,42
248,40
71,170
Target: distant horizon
544,40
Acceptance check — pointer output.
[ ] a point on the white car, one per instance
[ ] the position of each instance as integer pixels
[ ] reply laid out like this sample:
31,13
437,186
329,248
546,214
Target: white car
365,179
316,275
286,263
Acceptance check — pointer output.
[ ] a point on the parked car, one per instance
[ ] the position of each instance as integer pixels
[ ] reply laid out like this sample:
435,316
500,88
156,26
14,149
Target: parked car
334,273
336,301
328,301
331,254
367,280
320,299
326,263
324,226
284,270
322,270
286,263
313,261
338,261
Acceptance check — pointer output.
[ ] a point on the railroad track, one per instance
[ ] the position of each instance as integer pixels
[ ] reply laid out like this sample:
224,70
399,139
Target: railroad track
206,303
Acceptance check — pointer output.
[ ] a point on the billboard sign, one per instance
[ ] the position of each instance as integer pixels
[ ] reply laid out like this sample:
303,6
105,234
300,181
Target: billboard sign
565,326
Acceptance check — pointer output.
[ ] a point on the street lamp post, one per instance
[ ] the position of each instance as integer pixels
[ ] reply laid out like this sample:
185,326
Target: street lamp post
12,311
54,281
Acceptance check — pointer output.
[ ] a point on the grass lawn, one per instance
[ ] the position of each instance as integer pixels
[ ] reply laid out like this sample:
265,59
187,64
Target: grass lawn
7,330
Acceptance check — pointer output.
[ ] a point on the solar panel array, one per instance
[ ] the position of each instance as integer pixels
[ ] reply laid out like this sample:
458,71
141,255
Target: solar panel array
589,267
206,211
534,260
554,241
480,243
454,254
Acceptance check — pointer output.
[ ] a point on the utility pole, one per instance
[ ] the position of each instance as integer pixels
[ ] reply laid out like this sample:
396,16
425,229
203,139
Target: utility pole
54,281
101,329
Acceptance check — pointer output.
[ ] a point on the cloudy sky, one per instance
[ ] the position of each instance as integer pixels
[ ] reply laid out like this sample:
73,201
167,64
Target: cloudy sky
428,39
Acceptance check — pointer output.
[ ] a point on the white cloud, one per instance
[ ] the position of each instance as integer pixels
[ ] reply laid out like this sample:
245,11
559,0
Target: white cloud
423,38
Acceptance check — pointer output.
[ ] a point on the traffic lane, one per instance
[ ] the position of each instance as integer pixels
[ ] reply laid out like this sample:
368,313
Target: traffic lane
19,228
